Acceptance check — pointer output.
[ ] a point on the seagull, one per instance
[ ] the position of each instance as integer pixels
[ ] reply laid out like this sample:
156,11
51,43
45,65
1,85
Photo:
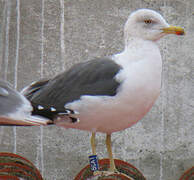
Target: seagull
16,110
111,93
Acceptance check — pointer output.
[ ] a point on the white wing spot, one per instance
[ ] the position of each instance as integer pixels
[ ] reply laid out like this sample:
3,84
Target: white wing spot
53,109
75,112
40,107
68,112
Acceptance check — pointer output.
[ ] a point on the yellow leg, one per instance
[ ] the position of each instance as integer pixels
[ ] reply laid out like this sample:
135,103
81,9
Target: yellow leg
93,143
112,168
109,149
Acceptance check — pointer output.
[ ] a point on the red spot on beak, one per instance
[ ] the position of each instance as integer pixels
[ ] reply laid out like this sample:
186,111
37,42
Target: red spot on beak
180,33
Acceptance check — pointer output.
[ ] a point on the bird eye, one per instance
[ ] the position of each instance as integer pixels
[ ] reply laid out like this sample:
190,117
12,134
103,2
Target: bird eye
148,21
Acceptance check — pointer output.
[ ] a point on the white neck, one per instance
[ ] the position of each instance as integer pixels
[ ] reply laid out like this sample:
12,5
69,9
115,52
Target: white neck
135,41
138,49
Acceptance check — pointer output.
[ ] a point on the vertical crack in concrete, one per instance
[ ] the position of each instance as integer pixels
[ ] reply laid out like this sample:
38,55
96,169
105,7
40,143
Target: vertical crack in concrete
42,41
16,65
62,36
41,74
42,150
6,57
2,47
17,45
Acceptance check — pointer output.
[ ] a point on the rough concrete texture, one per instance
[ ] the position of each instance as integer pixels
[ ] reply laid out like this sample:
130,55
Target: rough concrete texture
40,38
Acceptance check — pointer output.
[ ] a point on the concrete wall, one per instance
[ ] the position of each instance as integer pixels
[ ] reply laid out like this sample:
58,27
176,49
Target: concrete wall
41,38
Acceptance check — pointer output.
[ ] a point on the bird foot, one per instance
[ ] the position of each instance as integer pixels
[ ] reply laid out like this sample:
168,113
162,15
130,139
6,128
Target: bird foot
103,173
109,173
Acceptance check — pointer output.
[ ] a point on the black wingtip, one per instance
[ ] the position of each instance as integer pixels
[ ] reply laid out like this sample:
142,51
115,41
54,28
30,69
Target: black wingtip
51,112
74,120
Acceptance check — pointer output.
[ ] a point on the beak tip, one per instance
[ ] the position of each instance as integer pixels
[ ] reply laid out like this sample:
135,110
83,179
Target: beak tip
174,30
180,33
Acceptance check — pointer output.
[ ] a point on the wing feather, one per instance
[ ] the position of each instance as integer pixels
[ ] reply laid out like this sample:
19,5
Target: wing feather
95,77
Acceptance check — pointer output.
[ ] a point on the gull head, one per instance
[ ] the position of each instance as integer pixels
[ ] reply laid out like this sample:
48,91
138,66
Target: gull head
148,25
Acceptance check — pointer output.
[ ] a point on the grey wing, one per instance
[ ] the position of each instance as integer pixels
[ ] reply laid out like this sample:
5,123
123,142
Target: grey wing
10,100
94,77
3,92
15,109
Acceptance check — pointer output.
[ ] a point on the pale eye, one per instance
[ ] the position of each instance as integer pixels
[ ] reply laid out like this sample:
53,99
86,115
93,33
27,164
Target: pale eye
147,21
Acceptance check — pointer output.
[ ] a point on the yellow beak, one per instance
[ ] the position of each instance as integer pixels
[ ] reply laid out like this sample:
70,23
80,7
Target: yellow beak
174,30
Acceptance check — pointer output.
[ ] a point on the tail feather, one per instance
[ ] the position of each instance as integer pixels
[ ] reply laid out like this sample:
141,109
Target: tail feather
38,120
34,87
47,111
28,121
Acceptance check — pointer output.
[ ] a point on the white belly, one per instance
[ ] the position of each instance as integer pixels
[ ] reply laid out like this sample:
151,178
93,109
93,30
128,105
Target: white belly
138,92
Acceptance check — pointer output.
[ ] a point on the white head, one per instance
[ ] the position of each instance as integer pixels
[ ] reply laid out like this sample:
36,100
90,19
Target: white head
148,25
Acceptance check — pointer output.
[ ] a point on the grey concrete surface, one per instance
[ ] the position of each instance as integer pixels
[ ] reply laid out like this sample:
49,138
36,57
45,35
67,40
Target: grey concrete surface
40,38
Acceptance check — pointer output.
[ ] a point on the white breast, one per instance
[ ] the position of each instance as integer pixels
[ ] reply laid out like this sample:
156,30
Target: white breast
140,86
